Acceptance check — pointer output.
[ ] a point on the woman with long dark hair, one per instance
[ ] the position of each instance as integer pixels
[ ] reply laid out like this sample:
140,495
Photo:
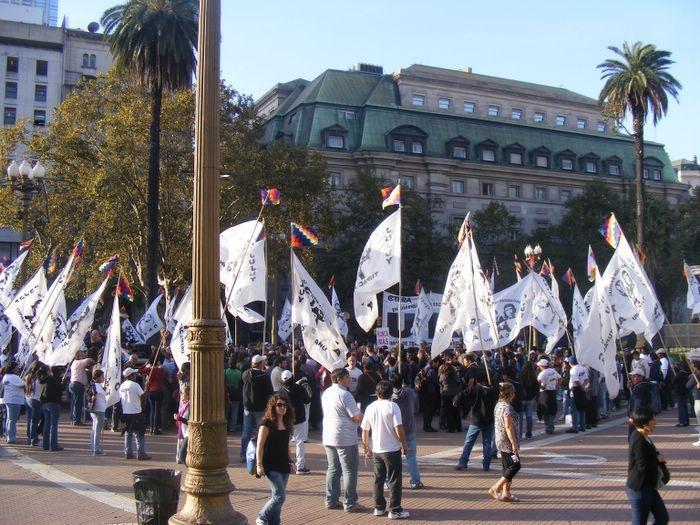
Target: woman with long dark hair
272,456
32,396
506,424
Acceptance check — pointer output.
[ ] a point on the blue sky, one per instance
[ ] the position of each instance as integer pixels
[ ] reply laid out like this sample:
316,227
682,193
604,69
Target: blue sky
558,43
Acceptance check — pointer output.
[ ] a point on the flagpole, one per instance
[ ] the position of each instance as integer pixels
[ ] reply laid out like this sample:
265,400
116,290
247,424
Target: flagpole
264,334
400,359
291,275
470,240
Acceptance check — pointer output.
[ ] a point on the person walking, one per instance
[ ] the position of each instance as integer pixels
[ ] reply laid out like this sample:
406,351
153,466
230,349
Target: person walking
549,380
78,384
383,420
131,394
340,419
257,389
51,392
97,411
298,396
506,423
479,402
646,472
272,456
13,398
405,398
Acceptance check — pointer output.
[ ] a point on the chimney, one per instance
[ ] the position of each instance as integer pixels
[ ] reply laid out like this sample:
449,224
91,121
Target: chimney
466,70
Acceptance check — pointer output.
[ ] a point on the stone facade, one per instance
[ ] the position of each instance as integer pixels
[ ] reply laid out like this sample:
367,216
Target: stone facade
688,171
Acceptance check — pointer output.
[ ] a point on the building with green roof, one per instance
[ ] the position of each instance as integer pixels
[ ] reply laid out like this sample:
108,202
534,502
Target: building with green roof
462,140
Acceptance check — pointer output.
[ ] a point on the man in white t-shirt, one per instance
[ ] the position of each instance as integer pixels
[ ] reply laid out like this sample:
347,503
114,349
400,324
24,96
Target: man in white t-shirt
130,395
383,420
354,373
578,384
77,386
549,382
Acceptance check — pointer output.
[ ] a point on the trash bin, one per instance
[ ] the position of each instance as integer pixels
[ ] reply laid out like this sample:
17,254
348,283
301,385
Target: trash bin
157,492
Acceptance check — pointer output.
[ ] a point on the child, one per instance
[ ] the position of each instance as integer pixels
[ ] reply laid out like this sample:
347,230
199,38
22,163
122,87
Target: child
181,418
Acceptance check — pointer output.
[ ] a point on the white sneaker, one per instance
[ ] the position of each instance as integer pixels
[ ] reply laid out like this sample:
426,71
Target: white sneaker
697,443
379,512
399,515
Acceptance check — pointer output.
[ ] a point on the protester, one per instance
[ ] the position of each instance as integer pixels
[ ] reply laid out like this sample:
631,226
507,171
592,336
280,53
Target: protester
340,419
154,373
383,420
13,399
478,402
298,396
78,384
128,361
354,372
549,380
366,384
97,411
131,394
276,375
234,389
272,456
694,386
449,388
530,390
646,471
578,384
506,423
678,383
32,395
51,392
257,389
181,419
405,398
644,395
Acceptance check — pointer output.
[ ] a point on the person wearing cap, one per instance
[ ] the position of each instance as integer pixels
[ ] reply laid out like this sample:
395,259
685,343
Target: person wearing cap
549,380
130,395
78,384
642,396
578,384
257,389
298,396
128,361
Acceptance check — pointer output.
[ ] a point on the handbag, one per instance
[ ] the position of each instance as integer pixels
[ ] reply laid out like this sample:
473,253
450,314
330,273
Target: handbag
664,476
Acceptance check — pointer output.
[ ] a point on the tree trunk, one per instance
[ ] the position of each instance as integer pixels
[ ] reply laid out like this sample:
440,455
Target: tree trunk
153,194
638,136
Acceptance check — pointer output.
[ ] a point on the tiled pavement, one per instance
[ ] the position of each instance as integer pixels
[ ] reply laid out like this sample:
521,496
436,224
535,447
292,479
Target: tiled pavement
565,479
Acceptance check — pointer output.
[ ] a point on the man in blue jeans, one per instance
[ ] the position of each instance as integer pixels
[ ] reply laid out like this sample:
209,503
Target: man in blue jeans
78,384
578,384
257,389
479,401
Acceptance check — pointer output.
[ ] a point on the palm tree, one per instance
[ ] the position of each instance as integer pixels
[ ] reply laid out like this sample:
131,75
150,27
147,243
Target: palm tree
155,42
638,84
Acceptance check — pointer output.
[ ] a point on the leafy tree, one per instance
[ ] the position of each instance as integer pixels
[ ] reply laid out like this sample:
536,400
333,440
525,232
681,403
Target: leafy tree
638,84
154,41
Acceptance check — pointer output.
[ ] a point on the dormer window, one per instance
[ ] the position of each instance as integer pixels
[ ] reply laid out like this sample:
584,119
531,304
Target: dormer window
458,148
459,152
486,151
335,141
540,157
417,147
335,137
514,154
407,139
653,168
564,160
612,166
589,163
400,146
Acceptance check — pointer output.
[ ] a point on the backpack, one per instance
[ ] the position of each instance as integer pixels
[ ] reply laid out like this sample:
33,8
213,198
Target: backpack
91,396
251,457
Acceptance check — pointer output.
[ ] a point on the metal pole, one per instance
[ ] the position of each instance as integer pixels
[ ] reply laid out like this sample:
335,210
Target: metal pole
207,485
291,274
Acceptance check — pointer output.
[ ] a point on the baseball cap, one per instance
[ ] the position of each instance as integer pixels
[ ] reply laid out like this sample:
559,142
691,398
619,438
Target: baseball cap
286,375
637,372
661,351
128,371
257,358
571,360
542,362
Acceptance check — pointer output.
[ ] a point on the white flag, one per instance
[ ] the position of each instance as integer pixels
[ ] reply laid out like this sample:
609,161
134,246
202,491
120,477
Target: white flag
5,332
379,269
316,317
424,311
579,315
178,342
7,280
150,323
693,297
80,324
130,334
251,282
630,294
513,307
284,324
342,324
235,243
170,321
112,357
23,308
548,316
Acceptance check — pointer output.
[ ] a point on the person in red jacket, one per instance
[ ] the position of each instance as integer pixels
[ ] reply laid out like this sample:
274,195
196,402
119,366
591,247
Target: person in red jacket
154,375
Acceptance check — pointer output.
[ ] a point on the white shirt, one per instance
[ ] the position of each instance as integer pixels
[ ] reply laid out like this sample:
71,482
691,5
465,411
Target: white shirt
549,378
78,371
130,395
382,417
14,390
641,364
355,374
664,366
100,403
339,407
578,375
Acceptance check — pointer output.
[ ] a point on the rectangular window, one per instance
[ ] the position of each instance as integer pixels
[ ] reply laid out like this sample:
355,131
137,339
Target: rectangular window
541,194
541,224
567,164
444,103
334,180
515,158
591,167
542,161
417,148
399,146
614,169
344,114
9,116
656,174
601,126
39,118
459,152
514,192
418,100
538,116
335,141
494,111
12,65
581,123
560,120
40,93
645,173
516,114
42,68
457,186
488,155
11,90
487,189
408,182
564,195
469,107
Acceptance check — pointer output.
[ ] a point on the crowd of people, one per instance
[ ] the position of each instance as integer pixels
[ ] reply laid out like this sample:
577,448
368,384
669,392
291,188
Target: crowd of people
274,397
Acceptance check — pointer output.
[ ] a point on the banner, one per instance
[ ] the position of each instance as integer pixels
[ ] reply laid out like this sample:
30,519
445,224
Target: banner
169,315
579,316
409,306
178,342
693,296
424,311
24,306
284,324
548,316
7,280
379,269
316,317
250,285
131,336
150,324
112,357
342,324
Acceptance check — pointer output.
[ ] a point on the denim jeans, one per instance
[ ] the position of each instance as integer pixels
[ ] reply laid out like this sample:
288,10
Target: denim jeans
52,412
181,451
77,401
251,420
345,461
486,437
568,404
232,416
412,460
33,418
387,465
135,428
271,513
98,423
683,415
155,401
11,425
526,418
643,503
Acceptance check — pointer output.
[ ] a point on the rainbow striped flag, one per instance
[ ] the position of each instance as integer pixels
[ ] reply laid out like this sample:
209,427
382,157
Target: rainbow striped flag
545,270
108,266
78,251
391,196
302,236
569,278
611,231
591,266
270,196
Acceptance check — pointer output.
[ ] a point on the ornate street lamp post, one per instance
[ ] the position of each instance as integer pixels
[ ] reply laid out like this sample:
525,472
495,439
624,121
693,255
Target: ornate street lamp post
207,485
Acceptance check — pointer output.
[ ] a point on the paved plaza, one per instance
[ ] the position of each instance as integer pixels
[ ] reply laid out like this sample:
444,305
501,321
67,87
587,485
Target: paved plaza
566,478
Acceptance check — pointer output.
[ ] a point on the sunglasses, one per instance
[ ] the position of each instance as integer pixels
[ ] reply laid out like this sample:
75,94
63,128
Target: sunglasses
281,405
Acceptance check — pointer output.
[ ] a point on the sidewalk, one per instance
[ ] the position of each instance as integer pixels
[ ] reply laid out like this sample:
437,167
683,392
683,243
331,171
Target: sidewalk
566,478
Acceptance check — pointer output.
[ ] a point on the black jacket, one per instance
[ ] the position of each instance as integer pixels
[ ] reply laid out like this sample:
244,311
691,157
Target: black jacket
643,467
480,402
257,389
298,397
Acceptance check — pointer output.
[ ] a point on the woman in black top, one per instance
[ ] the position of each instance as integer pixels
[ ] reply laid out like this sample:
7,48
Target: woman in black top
51,391
272,456
647,467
